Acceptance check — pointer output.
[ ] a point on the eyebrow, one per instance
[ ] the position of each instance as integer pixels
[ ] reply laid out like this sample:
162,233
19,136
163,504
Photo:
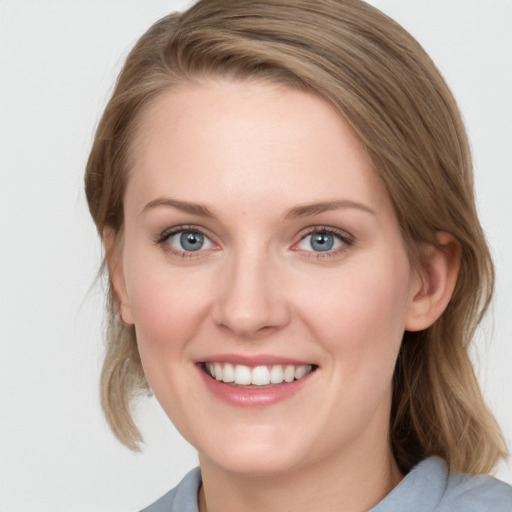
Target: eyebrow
306,210
184,206
311,209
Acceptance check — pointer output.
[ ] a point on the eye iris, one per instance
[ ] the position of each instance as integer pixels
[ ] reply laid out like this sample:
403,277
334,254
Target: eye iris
191,241
322,242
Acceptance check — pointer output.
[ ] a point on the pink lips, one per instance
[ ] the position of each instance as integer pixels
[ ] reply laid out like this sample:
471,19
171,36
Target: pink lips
252,396
252,361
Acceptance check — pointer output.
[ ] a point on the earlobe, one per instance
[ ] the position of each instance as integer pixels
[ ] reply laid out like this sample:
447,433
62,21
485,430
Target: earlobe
116,274
436,280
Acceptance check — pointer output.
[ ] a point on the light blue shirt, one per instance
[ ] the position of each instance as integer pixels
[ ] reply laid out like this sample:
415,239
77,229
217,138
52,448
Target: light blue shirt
426,488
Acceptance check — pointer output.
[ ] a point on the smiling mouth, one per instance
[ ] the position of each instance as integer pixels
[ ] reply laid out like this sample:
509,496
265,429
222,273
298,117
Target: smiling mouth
257,376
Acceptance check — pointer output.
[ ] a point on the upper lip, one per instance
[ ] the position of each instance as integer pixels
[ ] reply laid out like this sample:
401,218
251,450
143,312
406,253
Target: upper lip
254,360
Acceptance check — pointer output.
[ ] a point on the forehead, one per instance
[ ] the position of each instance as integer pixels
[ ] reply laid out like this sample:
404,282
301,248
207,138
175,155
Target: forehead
250,141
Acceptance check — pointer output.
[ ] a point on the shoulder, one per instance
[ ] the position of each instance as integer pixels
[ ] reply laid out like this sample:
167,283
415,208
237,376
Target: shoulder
429,488
476,494
183,498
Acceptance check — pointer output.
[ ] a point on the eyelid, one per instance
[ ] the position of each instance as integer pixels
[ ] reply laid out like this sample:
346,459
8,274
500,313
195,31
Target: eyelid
168,232
163,238
346,238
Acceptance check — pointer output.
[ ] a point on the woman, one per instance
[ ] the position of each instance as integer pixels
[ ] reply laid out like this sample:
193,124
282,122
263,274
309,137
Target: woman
285,196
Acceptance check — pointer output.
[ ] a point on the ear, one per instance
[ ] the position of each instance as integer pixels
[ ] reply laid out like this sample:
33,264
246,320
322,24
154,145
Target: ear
436,281
116,274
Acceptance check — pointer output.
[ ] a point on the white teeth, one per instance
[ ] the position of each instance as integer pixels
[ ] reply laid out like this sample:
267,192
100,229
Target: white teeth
301,371
276,374
289,373
218,371
228,375
258,375
242,374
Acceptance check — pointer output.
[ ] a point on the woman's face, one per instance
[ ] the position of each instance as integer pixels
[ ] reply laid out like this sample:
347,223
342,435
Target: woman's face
260,246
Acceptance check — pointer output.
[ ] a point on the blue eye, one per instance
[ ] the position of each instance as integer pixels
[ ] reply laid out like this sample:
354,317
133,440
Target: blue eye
191,241
188,241
321,241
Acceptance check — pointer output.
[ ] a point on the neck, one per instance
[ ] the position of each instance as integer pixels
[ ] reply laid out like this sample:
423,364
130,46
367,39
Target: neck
347,483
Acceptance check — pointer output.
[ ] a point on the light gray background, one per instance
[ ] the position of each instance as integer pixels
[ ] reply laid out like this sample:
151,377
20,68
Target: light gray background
58,61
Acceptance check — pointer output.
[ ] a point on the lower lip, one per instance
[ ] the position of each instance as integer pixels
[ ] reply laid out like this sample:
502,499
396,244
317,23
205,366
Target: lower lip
253,396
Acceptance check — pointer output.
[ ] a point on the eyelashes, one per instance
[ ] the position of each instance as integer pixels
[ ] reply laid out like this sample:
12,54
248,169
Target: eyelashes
185,242
315,242
190,241
324,241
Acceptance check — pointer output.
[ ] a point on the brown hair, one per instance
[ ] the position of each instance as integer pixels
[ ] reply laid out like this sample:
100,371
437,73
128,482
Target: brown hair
385,86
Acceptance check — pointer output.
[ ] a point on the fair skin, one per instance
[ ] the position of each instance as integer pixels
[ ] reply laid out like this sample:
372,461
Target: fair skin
257,234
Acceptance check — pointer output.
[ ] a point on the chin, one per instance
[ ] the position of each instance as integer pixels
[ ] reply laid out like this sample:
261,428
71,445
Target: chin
257,466
255,457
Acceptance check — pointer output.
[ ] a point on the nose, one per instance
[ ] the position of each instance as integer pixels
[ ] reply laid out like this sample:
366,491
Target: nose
251,301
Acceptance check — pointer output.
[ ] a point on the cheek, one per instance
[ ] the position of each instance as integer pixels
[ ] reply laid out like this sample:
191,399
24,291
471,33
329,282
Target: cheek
167,308
168,315
360,317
